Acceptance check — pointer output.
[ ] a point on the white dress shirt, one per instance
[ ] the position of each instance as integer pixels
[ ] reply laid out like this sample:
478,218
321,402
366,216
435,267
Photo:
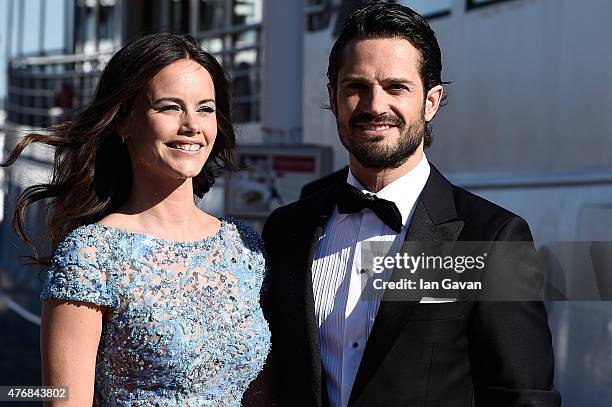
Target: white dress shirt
344,321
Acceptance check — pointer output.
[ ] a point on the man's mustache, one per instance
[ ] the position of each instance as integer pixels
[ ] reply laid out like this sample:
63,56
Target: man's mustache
366,118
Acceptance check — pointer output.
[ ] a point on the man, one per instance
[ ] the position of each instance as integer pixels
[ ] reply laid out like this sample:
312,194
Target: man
329,347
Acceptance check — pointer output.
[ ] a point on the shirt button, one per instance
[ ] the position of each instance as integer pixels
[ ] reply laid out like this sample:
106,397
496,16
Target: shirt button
355,345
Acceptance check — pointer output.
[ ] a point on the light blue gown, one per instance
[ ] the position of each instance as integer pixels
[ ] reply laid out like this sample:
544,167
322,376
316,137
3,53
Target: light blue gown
185,327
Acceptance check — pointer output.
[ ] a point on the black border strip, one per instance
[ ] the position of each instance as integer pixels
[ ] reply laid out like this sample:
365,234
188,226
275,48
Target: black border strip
472,5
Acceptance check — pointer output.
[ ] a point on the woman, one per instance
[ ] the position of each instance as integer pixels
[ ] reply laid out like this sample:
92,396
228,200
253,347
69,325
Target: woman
148,300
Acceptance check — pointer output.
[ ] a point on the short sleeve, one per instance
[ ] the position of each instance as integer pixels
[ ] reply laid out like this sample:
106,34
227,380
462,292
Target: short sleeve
75,273
255,248
250,237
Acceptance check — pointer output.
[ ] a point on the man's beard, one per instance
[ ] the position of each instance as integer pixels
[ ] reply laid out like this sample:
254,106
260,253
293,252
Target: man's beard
373,152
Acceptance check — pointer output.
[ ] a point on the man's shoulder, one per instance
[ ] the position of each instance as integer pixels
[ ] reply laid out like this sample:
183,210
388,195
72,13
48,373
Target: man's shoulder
325,182
483,219
468,203
301,209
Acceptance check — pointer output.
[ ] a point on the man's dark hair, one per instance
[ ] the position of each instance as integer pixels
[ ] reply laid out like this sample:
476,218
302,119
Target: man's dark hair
385,20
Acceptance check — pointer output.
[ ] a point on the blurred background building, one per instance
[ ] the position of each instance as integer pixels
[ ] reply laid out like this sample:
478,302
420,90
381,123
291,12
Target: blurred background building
525,126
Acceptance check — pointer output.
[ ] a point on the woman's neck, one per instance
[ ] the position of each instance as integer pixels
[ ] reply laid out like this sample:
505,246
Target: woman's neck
166,210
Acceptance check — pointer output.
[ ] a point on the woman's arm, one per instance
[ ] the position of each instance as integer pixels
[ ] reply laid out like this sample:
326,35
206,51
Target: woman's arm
69,337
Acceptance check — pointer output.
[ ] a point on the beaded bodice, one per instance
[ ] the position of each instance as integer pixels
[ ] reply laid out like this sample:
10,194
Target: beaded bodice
184,326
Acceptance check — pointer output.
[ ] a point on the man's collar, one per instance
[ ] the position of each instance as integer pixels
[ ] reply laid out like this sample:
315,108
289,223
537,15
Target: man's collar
404,191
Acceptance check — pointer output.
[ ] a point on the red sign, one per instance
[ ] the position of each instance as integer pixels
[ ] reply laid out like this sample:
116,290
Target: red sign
293,163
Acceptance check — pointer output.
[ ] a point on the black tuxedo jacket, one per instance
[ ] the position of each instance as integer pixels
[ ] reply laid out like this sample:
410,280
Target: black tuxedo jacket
492,354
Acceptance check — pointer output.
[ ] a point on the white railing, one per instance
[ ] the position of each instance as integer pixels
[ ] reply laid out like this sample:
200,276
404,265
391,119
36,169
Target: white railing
43,89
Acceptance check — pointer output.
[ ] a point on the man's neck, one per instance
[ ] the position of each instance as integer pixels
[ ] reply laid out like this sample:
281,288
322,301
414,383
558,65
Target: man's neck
375,179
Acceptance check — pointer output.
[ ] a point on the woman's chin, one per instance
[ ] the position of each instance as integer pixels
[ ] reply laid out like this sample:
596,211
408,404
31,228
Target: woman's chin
187,173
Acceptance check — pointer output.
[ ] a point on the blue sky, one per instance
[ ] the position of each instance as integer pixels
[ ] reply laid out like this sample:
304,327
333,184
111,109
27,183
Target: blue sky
54,29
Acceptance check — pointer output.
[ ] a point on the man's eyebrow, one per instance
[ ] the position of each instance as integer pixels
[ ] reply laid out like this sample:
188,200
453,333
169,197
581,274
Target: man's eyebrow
360,79
399,80
354,79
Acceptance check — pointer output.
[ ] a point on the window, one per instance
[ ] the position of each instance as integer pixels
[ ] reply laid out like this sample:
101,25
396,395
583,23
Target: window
95,26
246,12
318,14
429,8
106,27
471,4
210,15
178,17
231,31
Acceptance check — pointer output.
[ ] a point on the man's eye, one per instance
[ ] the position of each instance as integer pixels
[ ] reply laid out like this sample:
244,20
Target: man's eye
398,88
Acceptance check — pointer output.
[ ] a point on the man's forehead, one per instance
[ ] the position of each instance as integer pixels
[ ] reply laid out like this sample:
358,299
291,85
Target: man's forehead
381,42
384,57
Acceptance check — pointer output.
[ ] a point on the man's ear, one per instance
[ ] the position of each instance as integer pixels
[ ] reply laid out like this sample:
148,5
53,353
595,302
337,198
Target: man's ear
331,92
432,102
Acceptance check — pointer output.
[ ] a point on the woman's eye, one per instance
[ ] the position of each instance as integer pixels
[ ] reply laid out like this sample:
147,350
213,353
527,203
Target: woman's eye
166,108
206,109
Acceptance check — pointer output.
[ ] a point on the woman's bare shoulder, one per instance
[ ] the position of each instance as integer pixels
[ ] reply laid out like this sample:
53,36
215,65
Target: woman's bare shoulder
117,220
208,222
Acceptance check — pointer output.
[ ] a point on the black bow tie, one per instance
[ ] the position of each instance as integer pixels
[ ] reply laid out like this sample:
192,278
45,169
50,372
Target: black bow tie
350,200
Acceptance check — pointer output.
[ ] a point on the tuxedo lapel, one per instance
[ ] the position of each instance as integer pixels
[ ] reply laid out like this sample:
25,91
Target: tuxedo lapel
434,219
311,321
315,215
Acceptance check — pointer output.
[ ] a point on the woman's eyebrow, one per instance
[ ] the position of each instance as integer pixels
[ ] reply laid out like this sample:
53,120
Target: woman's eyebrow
180,101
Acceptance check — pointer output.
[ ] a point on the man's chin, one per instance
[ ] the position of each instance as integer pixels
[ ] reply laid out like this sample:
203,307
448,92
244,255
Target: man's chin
380,162
367,136
359,142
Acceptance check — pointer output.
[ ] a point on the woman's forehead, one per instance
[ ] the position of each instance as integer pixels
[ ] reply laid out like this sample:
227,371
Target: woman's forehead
185,77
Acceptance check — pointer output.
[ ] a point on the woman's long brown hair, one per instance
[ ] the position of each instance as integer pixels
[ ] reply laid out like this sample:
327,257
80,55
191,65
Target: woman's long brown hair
92,175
